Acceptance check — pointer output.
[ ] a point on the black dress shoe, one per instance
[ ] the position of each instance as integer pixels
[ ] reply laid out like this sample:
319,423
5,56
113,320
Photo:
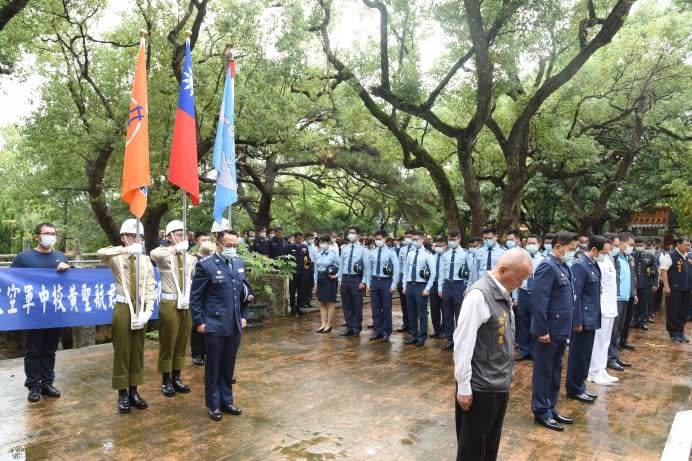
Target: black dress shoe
233,380
375,337
346,333
684,339
355,333
645,326
622,363
411,341
628,346
167,389
231,409
327,330
50,391
401,329
550,423
371,326
420,343
563,419
581,397
385,339
197,360
448,347
178,384
319,330
593,396
521,358
123,401
137,401
34,394
215,414
615,366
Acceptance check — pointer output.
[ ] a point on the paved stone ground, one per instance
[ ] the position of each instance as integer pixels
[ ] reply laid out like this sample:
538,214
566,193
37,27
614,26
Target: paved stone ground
322,397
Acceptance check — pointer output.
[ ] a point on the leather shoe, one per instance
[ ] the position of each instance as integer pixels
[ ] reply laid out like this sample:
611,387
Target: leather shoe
593,396
411,341
584,397
346,333
137,401
385,339
327,330
628,346
622,363
371,326
420,343
401,329
167,389
563,419
231,409
448,347
123,401
521,358
50,391
550,423
197,360
375,337
180,386
615,366
34,394
645,326
215,414
684,339
319,330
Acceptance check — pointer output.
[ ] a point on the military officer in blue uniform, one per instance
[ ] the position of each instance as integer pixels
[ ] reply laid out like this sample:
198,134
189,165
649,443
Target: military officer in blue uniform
451,284
403,251
525,341
384,274
676,273
586,319
419,262
439,249
552,303
219,314
646,271
486,257
353,276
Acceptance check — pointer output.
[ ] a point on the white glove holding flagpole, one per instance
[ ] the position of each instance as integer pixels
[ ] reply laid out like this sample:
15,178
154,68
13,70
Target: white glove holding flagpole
135,248
182,246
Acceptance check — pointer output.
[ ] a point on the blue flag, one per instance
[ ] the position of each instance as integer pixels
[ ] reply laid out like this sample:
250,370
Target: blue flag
224,151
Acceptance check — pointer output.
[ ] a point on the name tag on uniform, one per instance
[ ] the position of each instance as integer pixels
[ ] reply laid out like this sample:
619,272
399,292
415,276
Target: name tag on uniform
219,275
241,270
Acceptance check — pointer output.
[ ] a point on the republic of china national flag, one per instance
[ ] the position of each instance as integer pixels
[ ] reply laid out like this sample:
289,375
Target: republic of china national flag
136,175
182,169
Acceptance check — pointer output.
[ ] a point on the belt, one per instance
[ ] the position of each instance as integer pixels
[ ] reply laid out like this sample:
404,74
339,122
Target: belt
526,290
352,275
169,297
453,281
321,272
415,283
381,278
120,299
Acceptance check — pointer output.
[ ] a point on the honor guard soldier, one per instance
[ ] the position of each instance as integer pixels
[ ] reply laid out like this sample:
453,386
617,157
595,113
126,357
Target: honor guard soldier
676,272
485,257
134,304
438,249
354,274
382,283
586,319
524,339
419,275
646,270
175,269
403,252
451,283
41,344
552,303
219,313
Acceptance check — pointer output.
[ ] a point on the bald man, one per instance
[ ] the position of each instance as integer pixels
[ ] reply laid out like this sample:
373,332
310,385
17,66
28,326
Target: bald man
484,356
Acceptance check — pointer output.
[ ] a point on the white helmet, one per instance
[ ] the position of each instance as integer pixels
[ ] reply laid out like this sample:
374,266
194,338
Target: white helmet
174,226
130,227
216,227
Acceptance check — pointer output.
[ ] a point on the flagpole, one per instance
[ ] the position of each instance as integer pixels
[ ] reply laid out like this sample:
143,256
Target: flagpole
230,57
188,34
138,237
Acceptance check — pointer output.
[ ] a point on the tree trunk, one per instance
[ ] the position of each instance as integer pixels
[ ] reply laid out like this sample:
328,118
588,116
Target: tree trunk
472,189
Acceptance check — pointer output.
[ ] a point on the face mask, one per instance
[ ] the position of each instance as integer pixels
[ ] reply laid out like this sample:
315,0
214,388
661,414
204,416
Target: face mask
351,237
614,252
453,244
629,250
548,247
324,246
241,240
379,243
417,244
583,246
638,248
489,243
532,249
511,244
228,253
407,240
333,239
262,234
47,241
601,257
310,242
568,257
439,250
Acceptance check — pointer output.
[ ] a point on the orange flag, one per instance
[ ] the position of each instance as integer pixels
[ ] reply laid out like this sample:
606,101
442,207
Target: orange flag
136,175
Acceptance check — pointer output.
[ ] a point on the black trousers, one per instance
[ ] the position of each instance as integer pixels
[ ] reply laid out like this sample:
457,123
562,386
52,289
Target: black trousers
480,428
644,308
39,359
196,343
677,304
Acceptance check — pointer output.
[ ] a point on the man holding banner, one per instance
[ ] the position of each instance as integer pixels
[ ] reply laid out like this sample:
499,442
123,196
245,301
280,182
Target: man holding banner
41,344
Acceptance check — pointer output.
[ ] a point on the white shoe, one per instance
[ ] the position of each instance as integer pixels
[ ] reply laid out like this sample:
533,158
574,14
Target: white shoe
598,379
612,379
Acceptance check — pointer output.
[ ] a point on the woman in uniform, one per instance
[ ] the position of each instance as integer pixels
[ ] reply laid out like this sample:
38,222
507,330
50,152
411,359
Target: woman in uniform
326,274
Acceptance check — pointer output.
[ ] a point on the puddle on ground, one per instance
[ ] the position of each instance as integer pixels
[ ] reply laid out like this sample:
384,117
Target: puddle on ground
301,449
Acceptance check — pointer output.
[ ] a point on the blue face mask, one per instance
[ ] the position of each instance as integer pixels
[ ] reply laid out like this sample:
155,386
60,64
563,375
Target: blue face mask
439,250
569,257
532,249
511,244
548,247
453,244
489,243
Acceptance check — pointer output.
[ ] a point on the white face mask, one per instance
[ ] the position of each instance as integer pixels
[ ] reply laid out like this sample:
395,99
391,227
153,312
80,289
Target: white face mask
379,243
629,250
228,253
333,239
417,244
439,250
262,234
310,242
47,241
324,246
351,237
453,244
407,240
601,257
532,248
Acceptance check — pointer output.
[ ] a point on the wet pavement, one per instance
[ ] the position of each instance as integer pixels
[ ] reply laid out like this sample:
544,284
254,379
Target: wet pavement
323,397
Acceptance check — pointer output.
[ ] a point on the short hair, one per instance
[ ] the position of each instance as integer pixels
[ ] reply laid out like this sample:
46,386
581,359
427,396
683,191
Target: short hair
657,240
261,229
420,234
488,230
565,237
454,233
475,239
682,239
440,239
549,235
278,228
324,238
221,234
514,232
639,239
598,242
354,228
37,230
202,233
624,236
380,233
532,236
610,236
410,231
298,234
309,234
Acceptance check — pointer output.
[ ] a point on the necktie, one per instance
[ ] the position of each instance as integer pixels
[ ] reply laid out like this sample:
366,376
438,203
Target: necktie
437,265
489,265
350,260
529,281
451,265
413,267
377,269
133,281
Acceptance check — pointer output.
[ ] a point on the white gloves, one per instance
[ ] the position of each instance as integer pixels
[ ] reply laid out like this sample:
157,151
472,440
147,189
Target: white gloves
182,246
141,320
135,248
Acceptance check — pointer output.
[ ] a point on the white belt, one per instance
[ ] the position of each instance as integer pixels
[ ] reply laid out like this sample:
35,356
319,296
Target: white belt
169,297
120,299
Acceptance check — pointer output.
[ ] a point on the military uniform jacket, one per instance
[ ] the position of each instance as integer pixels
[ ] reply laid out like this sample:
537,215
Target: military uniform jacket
646,268
552,302
118,259
680,272
215,295
165,258
587,289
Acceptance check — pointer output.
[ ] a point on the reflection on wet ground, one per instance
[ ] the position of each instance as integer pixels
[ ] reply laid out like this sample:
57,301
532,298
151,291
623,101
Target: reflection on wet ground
307,396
